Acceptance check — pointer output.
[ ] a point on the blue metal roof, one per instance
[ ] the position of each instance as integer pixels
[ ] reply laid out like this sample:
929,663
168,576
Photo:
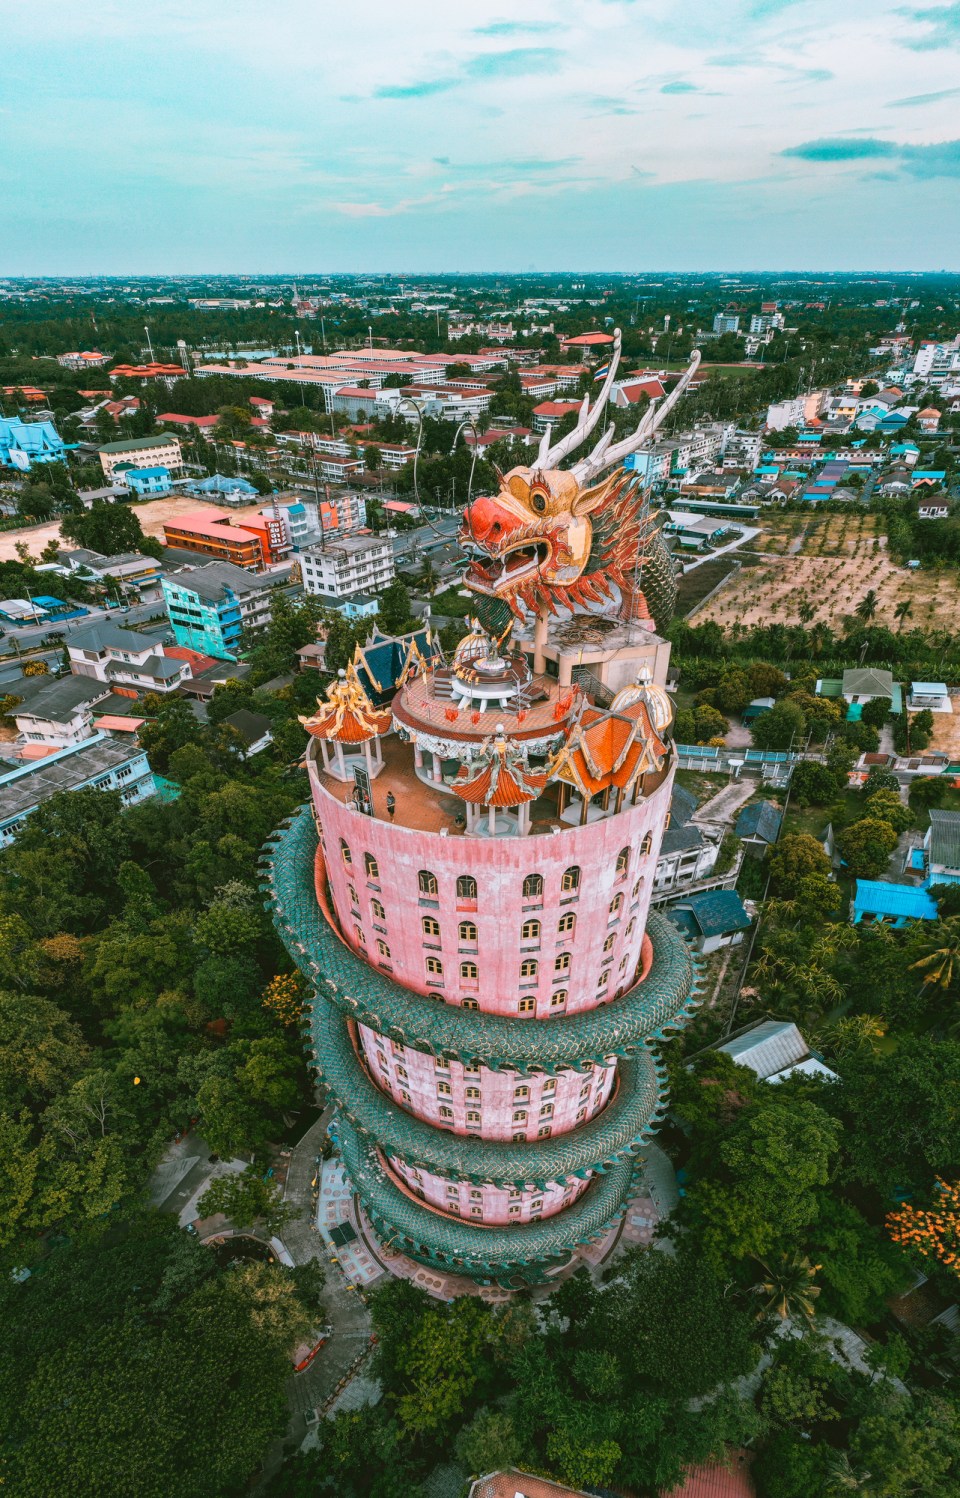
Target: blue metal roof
714,912
876,897
762,819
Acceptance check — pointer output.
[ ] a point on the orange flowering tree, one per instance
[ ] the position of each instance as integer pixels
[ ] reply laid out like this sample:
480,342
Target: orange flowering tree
934,1231
284,998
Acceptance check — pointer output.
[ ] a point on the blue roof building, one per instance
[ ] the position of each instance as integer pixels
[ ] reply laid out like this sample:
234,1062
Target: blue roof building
219,483
145,480
895,904
717,918
759,824
23,444
383,662
209,607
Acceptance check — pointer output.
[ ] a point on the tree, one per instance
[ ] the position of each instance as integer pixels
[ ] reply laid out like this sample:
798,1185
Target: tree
886,806
173,726
394,608
875,712
908,1447
443,1364
902,613
788,1287
782,728
932,1232
867,607
796,856
901,1125
762,1188
866,846
490,1442
245,1199
940,964
811,782
107,528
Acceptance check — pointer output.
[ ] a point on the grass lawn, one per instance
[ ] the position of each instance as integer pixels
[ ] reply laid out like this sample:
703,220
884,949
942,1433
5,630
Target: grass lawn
694,586
701,784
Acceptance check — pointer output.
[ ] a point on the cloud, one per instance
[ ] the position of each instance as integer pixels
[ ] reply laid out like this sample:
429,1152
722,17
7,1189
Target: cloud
914,99
421,90
679,86
516,28
841,150
939,159
944,24
516,63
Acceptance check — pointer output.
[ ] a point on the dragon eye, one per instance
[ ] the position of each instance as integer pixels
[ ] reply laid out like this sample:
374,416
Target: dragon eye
538,502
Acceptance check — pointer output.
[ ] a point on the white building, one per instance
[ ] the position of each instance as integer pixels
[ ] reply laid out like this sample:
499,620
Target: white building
726,322
355,564
107,653
742,450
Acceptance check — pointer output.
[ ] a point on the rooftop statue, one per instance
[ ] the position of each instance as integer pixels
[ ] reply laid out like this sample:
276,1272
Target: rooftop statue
555,538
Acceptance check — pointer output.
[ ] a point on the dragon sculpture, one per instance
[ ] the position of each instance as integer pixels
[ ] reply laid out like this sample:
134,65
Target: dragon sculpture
555,538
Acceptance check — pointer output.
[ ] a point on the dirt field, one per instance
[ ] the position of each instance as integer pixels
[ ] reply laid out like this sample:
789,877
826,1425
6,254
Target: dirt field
828,564
152,516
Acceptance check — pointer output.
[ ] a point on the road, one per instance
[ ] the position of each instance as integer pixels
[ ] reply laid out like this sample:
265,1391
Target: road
746,533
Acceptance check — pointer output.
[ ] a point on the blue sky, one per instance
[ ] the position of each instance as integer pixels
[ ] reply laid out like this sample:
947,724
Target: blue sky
295,136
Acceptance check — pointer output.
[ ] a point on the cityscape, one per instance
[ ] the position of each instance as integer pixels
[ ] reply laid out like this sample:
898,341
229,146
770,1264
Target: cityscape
479,792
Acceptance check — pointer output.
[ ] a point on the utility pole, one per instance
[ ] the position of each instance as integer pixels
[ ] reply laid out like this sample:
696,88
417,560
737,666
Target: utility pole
146,329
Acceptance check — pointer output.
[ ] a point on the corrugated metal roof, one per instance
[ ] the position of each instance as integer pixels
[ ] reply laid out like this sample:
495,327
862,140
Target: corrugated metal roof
761,819
876,897
944,844
768,1048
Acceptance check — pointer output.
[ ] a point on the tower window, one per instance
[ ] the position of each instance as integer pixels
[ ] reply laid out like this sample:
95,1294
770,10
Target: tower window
383,949
378,911
570,881
616,905
431,926
345,853
647,845
567,924
435,967
521,1094
428,882
520,1116
467,932
562,963
466,887
623,862
527,1006
469,972
532,886
371,866
529,967
609,941
530,931
558,999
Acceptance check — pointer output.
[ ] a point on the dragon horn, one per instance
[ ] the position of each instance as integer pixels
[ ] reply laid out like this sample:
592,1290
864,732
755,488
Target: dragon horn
549,457
606,457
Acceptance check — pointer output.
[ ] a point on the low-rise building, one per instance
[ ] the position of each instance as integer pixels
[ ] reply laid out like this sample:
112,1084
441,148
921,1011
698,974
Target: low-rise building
865,684
131,569
886,903
25,444
774,1050
162,451
98,762
90,359
55,711
253,541
209,607
123,659
145,482
714,919
355,564
758,826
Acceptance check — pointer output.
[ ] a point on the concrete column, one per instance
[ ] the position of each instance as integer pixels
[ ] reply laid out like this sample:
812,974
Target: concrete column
417,755
492,821
437,771
584,810
341,764
325,755
565,669
366,755
539,643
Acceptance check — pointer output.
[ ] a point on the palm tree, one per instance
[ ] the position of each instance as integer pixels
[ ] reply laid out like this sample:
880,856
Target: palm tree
902,612
867,606
806,612
428,575
789,1287
942,962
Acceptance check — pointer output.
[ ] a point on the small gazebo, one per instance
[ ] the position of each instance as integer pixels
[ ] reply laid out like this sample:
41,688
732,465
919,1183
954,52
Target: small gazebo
348,725
498,780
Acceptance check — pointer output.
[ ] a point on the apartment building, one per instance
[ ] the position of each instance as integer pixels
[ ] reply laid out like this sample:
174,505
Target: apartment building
98,762
123,659
355,564
209,607
144,452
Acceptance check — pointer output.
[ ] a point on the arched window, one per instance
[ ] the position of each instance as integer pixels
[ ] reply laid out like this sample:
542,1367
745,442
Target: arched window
467,931
616,905
428,882
631,924
558,999
567,924
570,881
383,949
608,944
469,1004
371,866
647,843
546,1110
469,971
520,1116
435,967
437,997
562,963
431,926
379,913
530,931
353,897
472,1092
521,1093
345,853
358,932
466,887
529,967
623,862
532,886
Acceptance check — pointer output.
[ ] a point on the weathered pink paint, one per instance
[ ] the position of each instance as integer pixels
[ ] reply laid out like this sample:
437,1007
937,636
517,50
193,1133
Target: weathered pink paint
605,951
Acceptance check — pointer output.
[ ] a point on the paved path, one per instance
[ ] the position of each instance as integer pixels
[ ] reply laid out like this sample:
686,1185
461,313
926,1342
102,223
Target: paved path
746,533
727,802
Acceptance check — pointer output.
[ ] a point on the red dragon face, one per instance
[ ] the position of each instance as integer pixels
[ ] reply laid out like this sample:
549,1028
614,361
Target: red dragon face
534,538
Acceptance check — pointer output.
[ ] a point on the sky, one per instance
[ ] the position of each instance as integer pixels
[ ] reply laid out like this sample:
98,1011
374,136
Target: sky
297,136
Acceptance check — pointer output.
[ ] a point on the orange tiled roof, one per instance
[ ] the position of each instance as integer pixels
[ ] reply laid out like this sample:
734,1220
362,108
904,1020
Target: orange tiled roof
608,749
348,715
503,779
